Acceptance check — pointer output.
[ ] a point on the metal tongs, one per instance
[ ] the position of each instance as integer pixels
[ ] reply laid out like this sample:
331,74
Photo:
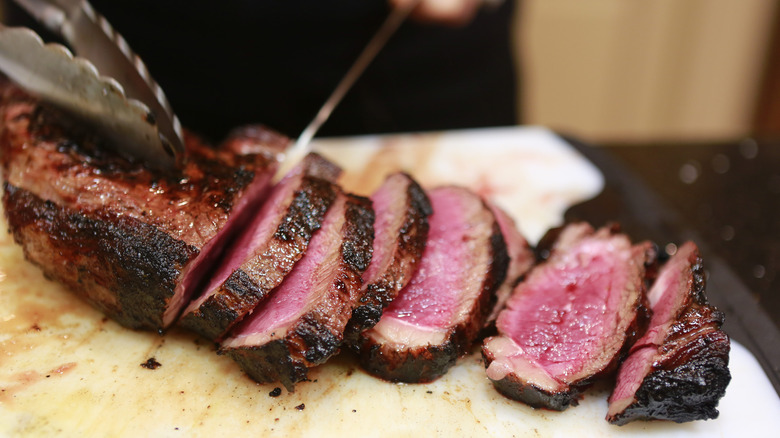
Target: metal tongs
107,85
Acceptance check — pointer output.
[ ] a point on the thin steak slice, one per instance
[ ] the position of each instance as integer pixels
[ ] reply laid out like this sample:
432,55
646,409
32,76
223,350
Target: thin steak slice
302,322
436,318
678,370
571,318
400,232
266,251
132,241
521,259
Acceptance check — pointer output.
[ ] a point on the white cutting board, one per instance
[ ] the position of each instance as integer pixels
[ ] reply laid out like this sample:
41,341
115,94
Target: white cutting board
65,370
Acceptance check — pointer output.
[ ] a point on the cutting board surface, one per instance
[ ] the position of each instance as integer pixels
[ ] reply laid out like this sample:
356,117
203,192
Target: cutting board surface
67,370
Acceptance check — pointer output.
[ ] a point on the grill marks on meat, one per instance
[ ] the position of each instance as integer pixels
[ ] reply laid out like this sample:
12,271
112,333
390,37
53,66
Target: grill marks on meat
569,321
130,240
437,316
267,250
302,322
400,232
678,370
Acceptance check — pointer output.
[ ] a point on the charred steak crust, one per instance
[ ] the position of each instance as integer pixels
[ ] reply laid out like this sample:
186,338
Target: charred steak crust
109,197
686,392
318,334
522,388
410,243
251,283
516,388
417,365
122,266
425,363
357,247
690,373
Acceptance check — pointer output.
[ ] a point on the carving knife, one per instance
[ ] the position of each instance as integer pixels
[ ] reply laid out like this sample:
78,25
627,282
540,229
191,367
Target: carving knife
122,98
302,145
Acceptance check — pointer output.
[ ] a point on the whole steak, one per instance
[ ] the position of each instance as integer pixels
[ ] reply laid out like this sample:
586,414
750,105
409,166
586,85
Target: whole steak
132,241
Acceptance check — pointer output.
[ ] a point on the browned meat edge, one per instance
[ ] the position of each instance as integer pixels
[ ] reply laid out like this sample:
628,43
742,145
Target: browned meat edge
410,245
244,289
124,267
318,334
56,171
691,374
420,364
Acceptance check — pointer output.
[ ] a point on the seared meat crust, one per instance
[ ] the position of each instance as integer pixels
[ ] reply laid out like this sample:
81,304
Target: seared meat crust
148,232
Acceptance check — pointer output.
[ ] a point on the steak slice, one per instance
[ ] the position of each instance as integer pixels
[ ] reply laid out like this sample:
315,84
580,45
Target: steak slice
266,251
571,318
134,242
302,322
521,259
678,370
400,232
438,315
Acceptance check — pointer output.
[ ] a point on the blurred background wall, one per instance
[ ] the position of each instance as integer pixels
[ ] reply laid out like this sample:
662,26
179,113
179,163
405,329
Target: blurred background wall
629,70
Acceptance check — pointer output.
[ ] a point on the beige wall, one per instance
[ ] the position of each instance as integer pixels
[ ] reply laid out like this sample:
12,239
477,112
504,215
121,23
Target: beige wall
617,70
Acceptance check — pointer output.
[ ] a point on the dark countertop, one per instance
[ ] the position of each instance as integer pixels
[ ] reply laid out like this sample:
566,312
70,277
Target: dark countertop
725,197
730,194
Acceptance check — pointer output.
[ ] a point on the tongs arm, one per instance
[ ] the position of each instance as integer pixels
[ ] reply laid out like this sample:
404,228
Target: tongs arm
92,37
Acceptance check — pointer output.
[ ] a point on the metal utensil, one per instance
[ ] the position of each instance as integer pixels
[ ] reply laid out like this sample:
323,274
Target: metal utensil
93,38
302,145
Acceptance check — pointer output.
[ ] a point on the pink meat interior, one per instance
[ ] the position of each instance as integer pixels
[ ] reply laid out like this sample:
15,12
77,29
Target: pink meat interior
632,372
562,317
433,294
388,201
194,273
307,279
257,231
516,245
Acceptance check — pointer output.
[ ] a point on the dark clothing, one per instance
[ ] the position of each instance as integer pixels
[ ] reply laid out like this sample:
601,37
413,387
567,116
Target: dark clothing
233,62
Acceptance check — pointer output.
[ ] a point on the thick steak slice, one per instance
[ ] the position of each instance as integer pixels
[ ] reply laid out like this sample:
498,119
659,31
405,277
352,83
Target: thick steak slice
302,322
132,241
569,321
678,370
400,232
266,251
436,318
521,259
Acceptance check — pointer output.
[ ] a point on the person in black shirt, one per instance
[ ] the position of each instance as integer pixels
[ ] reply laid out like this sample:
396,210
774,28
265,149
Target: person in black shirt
235,62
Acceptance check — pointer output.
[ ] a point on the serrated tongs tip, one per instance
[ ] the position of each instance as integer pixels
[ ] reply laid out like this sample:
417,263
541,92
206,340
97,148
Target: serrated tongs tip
106,85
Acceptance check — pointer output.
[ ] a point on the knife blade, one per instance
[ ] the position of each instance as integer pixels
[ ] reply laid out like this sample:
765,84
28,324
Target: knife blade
302,145
93,38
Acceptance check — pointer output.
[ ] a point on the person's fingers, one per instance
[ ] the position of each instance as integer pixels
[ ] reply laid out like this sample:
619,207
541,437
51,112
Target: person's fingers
449,12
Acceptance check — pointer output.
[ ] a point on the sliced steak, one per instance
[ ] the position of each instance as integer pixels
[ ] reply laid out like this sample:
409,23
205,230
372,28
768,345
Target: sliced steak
302,322
266,251
132,241
400,232
436,318
678,370
521,259
571,318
